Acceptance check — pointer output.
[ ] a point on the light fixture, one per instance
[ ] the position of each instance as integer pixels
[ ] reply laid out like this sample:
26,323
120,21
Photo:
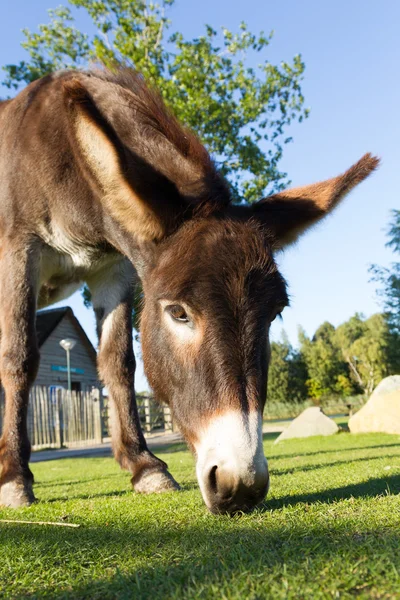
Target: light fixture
68,344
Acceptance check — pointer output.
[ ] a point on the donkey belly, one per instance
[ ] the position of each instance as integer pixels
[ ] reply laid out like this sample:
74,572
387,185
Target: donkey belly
62,274
50,294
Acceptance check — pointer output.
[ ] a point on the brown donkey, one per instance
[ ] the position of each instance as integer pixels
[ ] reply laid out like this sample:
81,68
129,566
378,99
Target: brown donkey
100,183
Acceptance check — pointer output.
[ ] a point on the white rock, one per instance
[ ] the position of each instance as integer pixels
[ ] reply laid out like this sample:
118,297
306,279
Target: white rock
382,411
310,422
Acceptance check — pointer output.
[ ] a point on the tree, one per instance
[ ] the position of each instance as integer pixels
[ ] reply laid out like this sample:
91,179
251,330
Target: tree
367,347
327,370
389,278
287,374
240,112
351,359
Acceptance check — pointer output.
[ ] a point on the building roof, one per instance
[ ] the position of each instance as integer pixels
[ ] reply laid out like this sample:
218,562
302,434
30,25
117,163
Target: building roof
48,319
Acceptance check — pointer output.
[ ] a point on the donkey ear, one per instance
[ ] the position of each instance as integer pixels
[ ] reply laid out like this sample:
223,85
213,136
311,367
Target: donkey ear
125,155
288,214
103,159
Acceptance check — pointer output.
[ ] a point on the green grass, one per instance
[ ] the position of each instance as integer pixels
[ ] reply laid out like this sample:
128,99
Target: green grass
330,529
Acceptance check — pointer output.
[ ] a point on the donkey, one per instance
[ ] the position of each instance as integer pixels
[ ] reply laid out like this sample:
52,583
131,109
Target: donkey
101,184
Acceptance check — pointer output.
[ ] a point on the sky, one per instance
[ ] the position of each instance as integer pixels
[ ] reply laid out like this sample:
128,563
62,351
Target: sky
351,50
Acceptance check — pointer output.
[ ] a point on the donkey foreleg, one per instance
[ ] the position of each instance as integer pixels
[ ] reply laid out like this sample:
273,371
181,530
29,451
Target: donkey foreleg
19,360
112,302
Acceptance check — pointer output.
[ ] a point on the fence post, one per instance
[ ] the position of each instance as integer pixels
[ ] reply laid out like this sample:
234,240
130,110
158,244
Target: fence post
59,420
98,427
101,414
167,419
147,413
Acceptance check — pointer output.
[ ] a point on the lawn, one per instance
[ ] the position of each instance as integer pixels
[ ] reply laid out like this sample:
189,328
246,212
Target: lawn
329,529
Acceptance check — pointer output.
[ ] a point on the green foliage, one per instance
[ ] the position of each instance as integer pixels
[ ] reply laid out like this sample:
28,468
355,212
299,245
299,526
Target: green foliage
389,278
368,348
334,363
240,112
327,371
58,45
331,405
351,359
287,374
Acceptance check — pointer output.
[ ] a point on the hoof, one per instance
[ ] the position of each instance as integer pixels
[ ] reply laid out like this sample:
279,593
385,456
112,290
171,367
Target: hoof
155,482
16,495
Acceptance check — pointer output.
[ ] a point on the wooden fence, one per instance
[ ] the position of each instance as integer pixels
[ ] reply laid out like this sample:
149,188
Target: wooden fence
57,418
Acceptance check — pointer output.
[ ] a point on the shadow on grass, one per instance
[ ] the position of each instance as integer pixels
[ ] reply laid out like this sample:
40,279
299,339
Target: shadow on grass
370,488
271,436
201,556
185,487
192,485
314,467
344,426
366,489
88,496
62,482
338,450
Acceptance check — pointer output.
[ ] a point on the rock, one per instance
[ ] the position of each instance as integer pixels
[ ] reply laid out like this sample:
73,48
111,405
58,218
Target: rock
389,384
311,421
382,411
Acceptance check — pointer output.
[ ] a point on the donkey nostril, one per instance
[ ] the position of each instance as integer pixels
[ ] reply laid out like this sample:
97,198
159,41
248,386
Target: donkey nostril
212,479
227,492
222,484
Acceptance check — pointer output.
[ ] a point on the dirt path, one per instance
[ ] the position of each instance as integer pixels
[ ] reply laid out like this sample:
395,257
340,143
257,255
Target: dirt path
101,449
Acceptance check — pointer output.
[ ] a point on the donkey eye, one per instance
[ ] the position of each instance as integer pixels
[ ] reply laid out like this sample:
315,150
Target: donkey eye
178,313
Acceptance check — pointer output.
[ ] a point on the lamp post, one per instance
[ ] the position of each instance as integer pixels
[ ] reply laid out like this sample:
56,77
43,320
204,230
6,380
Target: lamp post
68,344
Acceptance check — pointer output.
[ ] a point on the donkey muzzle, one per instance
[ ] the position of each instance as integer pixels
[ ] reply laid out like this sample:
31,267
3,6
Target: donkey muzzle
226,492
231,467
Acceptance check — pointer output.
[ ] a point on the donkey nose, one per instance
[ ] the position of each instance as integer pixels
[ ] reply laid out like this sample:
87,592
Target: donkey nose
227,492
231,468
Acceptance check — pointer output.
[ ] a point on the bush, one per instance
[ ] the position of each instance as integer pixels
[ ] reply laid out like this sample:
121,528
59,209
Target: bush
331,405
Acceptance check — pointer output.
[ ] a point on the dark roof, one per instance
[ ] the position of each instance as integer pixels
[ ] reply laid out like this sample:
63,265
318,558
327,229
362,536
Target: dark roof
48,319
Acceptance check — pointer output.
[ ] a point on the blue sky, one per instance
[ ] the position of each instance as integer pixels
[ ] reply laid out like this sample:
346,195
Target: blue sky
352,52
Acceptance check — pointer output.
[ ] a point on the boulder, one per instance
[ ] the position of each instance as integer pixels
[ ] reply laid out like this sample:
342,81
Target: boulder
310,422
382,411
389,384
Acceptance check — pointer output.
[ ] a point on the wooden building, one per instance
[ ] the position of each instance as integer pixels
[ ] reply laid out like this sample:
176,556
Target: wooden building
52,326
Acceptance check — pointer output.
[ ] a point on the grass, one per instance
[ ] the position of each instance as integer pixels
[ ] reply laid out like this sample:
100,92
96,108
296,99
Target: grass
330,529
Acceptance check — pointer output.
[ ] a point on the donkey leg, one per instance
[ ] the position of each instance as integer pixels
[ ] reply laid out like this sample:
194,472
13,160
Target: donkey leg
19,360
112,302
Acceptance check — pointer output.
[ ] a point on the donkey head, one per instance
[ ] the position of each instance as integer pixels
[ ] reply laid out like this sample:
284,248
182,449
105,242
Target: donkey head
211,285
211,290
